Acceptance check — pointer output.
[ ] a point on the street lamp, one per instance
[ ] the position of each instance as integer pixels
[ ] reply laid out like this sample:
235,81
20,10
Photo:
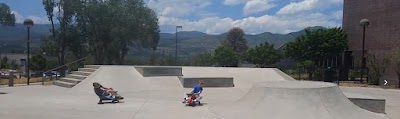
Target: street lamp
364,23
176,45
28,24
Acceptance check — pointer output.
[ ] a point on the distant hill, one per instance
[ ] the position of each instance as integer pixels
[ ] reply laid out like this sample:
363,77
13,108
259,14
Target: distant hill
15,37
194,42
189,42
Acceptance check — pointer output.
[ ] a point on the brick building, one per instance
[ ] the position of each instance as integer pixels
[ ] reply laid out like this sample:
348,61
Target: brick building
383,33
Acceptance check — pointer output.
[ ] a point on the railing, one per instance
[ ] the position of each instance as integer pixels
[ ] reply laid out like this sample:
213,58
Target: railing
62,66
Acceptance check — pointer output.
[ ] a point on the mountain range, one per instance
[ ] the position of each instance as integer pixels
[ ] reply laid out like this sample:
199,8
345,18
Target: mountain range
189,42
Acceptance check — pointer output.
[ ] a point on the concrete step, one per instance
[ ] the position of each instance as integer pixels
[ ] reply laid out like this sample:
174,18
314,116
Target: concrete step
64,84
81,73
87,69
70,80
92,66
74,76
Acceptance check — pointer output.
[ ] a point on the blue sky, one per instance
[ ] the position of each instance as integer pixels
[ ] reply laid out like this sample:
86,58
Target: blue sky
218,16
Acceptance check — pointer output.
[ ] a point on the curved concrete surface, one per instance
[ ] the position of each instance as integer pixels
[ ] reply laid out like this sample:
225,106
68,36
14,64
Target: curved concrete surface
294,100
161,97
370,103
244,78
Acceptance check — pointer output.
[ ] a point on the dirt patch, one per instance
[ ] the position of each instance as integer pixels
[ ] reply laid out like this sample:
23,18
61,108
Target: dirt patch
23,80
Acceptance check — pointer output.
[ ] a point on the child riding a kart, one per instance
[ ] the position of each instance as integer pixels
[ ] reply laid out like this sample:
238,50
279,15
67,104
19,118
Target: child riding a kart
194,97
106,93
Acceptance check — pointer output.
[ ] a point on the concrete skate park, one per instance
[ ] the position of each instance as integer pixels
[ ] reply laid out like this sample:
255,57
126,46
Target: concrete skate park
229,93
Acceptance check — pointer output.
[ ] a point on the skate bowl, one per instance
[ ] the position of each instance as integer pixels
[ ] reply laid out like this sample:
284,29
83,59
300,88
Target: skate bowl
188,82
153,71
293,100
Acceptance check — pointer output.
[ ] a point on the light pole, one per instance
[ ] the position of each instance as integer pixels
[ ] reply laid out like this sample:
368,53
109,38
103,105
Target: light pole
364,23
176,45
28,24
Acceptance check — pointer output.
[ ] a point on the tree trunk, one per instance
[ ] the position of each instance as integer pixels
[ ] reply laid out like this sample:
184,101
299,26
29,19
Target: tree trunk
63,45
54,34
398,77
63,69
310,74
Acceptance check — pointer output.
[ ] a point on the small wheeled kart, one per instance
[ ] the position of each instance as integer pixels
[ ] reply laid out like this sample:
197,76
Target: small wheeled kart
191,101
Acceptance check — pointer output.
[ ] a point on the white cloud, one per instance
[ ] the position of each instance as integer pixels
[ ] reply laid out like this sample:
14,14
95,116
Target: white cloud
338,14
234,2
308,5
256,6
251,25
293,8
178,8
18,17
36,19
39,20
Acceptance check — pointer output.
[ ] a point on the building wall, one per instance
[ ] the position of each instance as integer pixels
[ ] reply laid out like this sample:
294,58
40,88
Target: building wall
16,57
383,33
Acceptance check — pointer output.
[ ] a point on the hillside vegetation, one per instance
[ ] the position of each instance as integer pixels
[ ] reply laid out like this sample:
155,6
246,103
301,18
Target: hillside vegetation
190,43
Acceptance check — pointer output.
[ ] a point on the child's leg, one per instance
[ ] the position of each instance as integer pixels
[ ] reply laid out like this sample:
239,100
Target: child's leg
112,92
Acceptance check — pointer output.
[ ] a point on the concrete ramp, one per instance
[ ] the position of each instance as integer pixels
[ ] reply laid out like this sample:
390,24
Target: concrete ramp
154,71
293,100
188,82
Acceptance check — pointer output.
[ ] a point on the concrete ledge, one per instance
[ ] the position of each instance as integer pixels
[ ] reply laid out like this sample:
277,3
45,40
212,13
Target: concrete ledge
368,103
159,71
188,82
373,105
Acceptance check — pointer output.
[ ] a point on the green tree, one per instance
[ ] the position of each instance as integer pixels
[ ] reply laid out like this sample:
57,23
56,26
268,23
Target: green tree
377,67
132,24
104,30
235,40
317,46
152,59
263,55
6,17
49,6
395,59
169,60
14,65
226,57
204,59
49,46
4,63
50,64
64,34
38,62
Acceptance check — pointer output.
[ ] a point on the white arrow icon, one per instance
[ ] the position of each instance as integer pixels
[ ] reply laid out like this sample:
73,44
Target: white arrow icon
385,82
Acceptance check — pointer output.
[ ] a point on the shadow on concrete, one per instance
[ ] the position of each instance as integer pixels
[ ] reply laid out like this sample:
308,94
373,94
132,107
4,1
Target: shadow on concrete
111,102
200,105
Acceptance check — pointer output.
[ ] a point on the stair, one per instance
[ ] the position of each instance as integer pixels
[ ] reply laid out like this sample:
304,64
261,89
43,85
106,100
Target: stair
87,69
64,84
81,73
92,66
70,80
73,76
